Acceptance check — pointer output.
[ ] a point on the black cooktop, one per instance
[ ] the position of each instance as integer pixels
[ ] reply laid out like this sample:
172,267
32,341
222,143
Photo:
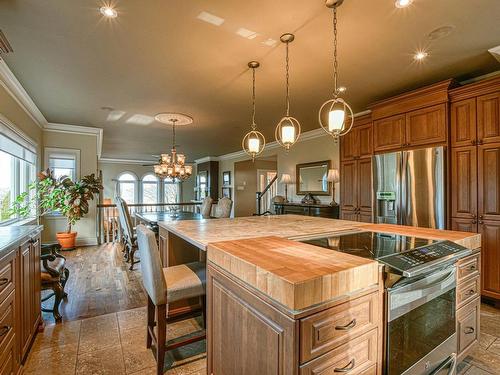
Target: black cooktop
370,244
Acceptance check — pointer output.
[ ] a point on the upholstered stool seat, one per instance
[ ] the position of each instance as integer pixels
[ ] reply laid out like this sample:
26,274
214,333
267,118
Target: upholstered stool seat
185,281
164,286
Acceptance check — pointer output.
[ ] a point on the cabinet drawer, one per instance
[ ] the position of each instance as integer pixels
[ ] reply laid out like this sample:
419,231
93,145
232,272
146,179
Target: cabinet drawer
468,267
358,356
6,276
331,328
6,320
468,291
467,325
8,363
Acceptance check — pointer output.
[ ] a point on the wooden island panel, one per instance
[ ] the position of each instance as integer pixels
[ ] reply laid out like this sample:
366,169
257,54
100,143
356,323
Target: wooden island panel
294,274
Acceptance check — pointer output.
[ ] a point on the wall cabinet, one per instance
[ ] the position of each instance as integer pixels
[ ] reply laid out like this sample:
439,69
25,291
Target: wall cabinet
488,118
464,182
463,129
421,127
356,190
490,274
357,143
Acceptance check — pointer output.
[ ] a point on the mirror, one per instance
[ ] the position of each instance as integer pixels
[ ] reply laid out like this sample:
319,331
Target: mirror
311,178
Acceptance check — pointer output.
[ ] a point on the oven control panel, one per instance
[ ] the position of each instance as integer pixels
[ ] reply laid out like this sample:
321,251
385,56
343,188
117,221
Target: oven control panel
413,261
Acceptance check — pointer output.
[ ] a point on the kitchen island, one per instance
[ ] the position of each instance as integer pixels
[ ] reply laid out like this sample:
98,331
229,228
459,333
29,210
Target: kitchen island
284,307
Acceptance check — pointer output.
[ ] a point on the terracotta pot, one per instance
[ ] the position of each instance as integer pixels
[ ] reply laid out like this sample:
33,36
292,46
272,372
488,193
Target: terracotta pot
66,240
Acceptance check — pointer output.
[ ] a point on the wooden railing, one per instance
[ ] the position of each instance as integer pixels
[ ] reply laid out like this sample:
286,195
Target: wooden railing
264,197
108,223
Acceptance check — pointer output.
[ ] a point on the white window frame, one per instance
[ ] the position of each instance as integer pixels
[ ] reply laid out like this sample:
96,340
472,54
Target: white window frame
68,152
136,182
158,187
179,190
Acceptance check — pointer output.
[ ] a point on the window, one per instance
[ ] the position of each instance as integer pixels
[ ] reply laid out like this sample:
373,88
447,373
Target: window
17,164
63,162
171,192
150,189
127,187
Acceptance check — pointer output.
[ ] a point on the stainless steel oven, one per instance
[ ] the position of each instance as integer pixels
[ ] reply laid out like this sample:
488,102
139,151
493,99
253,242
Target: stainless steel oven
421,328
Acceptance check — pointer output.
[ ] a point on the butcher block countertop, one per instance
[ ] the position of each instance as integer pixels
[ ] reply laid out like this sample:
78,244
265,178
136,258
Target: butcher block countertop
295,274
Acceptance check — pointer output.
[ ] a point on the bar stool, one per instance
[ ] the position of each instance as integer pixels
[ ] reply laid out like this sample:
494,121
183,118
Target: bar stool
167,285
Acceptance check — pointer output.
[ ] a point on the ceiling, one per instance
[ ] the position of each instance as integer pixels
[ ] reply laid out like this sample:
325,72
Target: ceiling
160,57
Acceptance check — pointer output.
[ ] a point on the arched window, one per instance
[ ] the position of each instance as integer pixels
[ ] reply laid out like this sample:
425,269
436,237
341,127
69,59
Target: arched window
171,192
127,187
150,189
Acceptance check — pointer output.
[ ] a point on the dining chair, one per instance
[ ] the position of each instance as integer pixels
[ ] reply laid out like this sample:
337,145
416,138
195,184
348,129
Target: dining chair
223,208
127,230
206,207
164,286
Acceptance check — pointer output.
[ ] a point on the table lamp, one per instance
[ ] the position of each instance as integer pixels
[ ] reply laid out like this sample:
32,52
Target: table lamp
333,177
285,180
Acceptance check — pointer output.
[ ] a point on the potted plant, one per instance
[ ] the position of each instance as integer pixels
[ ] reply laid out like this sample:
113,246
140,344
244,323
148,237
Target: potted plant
69,198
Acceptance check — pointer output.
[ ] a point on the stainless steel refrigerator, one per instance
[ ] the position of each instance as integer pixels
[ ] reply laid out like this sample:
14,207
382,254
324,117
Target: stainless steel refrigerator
409,188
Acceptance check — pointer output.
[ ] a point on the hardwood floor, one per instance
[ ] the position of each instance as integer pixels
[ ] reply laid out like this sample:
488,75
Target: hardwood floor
99,283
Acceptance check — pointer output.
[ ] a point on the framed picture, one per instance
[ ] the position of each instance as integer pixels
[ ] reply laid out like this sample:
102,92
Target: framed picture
226,178
226,192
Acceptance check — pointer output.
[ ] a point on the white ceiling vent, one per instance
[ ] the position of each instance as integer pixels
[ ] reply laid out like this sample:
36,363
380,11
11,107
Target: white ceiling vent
4,44
495,51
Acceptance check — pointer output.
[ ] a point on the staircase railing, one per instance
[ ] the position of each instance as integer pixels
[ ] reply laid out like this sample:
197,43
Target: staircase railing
264,197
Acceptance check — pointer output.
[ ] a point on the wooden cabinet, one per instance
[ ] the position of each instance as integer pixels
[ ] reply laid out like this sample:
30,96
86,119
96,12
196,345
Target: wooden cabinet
488,118
490,271
357,143
356,189
464,182
426,126
463,123
389,133
467,328
319,210
489,181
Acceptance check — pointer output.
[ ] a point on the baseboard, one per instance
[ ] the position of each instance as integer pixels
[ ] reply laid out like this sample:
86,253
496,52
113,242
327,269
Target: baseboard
80,241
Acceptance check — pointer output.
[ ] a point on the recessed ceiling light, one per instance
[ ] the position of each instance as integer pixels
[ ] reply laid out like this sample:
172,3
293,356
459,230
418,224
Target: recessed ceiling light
440,32
245,33
403,3
108,12
342,89
420,55
210,18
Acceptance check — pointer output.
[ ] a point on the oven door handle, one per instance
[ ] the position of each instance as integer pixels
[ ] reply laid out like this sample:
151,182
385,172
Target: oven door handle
451,361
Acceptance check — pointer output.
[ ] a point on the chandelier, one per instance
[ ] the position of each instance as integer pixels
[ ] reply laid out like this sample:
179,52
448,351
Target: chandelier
253,142
288,129
172,166
340,118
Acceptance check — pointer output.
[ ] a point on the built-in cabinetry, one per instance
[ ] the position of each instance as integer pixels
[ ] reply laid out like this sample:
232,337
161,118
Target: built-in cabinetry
356,172
319,210
468,303
475,172
20,311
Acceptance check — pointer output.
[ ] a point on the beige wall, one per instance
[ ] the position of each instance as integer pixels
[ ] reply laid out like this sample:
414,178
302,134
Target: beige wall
87,144
110,171
316,149
15,114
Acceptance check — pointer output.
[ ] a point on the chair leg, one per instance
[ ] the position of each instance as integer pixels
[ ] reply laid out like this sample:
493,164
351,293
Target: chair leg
161,337
59,294
204,310
150,322
131,258
64,280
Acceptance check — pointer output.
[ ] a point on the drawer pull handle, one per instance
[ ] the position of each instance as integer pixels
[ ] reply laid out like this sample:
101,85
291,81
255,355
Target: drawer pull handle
469,330
470,292
347,327
472,268
3,281
346,368
4,330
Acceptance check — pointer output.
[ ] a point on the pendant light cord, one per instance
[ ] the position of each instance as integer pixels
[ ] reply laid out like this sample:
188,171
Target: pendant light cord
254,125
287,60
173,134
335,62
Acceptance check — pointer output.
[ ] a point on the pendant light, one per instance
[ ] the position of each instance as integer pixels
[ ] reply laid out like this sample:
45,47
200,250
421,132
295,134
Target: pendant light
253,142
288,129
335,115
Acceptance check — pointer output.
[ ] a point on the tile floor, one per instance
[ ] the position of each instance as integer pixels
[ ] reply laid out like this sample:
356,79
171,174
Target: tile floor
111,344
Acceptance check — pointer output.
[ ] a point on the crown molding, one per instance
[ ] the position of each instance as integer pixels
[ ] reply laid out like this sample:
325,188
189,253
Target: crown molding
206,159
14,88
125,161
306,136
76,129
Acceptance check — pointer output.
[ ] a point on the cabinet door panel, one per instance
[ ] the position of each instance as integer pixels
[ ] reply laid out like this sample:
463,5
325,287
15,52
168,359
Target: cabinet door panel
488,118
464,182
365,141
349,145
463,225
463,123
349,215
365,217
489,181
389,133
426,126
26,297
364,184
348,183
490,262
